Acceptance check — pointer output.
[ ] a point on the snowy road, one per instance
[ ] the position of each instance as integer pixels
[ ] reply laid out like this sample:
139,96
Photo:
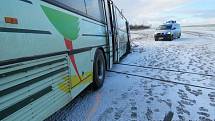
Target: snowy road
158,80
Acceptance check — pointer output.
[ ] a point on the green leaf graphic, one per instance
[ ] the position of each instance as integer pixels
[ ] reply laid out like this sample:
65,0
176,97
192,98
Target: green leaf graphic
66,24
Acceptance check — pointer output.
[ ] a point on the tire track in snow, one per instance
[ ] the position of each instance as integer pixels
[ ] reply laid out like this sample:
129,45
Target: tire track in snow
162,80
94,107
199,34
166,69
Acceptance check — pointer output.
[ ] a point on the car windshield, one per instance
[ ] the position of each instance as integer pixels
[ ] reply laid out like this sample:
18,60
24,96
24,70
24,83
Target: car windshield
164,27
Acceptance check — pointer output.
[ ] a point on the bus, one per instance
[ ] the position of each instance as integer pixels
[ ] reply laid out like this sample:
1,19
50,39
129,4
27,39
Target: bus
51,50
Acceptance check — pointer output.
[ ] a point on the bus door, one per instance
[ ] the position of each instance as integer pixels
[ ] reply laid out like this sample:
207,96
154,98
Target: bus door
128,49
114,41
109,33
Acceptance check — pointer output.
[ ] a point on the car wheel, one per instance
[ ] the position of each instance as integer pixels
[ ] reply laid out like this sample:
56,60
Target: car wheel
98,70
156,39
179,35
171,38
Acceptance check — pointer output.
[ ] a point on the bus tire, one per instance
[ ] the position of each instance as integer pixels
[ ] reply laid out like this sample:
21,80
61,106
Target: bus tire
98,69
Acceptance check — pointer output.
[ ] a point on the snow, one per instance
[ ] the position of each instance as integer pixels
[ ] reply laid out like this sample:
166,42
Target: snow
158,77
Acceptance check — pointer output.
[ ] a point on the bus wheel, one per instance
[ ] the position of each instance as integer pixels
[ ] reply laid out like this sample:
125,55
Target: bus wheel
98,69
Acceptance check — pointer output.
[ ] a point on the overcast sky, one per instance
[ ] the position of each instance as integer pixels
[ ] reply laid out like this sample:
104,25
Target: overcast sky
155,12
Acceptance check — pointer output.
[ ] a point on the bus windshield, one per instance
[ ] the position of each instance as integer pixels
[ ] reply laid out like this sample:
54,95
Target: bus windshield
164,27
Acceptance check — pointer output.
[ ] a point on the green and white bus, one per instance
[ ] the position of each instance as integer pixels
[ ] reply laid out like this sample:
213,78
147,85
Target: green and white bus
51,50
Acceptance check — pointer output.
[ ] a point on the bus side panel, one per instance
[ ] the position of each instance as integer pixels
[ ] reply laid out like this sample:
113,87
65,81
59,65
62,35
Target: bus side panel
35,89
32,35
37,82
122,34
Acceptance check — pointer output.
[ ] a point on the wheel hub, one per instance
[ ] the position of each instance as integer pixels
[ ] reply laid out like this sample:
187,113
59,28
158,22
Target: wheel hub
100,70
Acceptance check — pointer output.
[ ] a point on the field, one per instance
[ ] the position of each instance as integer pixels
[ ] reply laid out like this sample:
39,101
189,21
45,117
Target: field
158,80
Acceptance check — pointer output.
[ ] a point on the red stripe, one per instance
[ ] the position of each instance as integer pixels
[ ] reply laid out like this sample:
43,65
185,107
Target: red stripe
72,57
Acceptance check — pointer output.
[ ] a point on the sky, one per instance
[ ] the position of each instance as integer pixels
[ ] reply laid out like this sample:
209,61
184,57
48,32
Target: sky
155,12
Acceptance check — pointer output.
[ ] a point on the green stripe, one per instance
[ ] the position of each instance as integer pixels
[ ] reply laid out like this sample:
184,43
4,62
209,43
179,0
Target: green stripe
30,68
30,82
20,30
14,108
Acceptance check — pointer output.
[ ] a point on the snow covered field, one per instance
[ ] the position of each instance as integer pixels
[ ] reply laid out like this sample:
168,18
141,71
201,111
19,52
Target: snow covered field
158,80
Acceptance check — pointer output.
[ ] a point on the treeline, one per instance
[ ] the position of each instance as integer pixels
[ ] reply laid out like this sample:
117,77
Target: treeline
139,27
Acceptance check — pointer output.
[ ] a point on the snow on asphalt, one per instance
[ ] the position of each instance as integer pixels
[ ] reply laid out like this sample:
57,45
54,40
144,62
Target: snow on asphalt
162,79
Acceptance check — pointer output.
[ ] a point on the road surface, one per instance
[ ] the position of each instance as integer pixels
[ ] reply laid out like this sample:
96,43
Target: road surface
171,80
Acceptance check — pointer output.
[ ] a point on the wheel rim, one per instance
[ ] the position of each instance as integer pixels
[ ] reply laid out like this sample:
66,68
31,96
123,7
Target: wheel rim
100,69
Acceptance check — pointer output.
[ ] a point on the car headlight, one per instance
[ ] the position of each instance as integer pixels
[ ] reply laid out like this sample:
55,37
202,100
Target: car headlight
168,33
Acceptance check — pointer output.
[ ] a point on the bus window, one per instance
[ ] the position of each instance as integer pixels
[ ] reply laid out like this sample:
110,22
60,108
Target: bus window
121,21
76,4
94,9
